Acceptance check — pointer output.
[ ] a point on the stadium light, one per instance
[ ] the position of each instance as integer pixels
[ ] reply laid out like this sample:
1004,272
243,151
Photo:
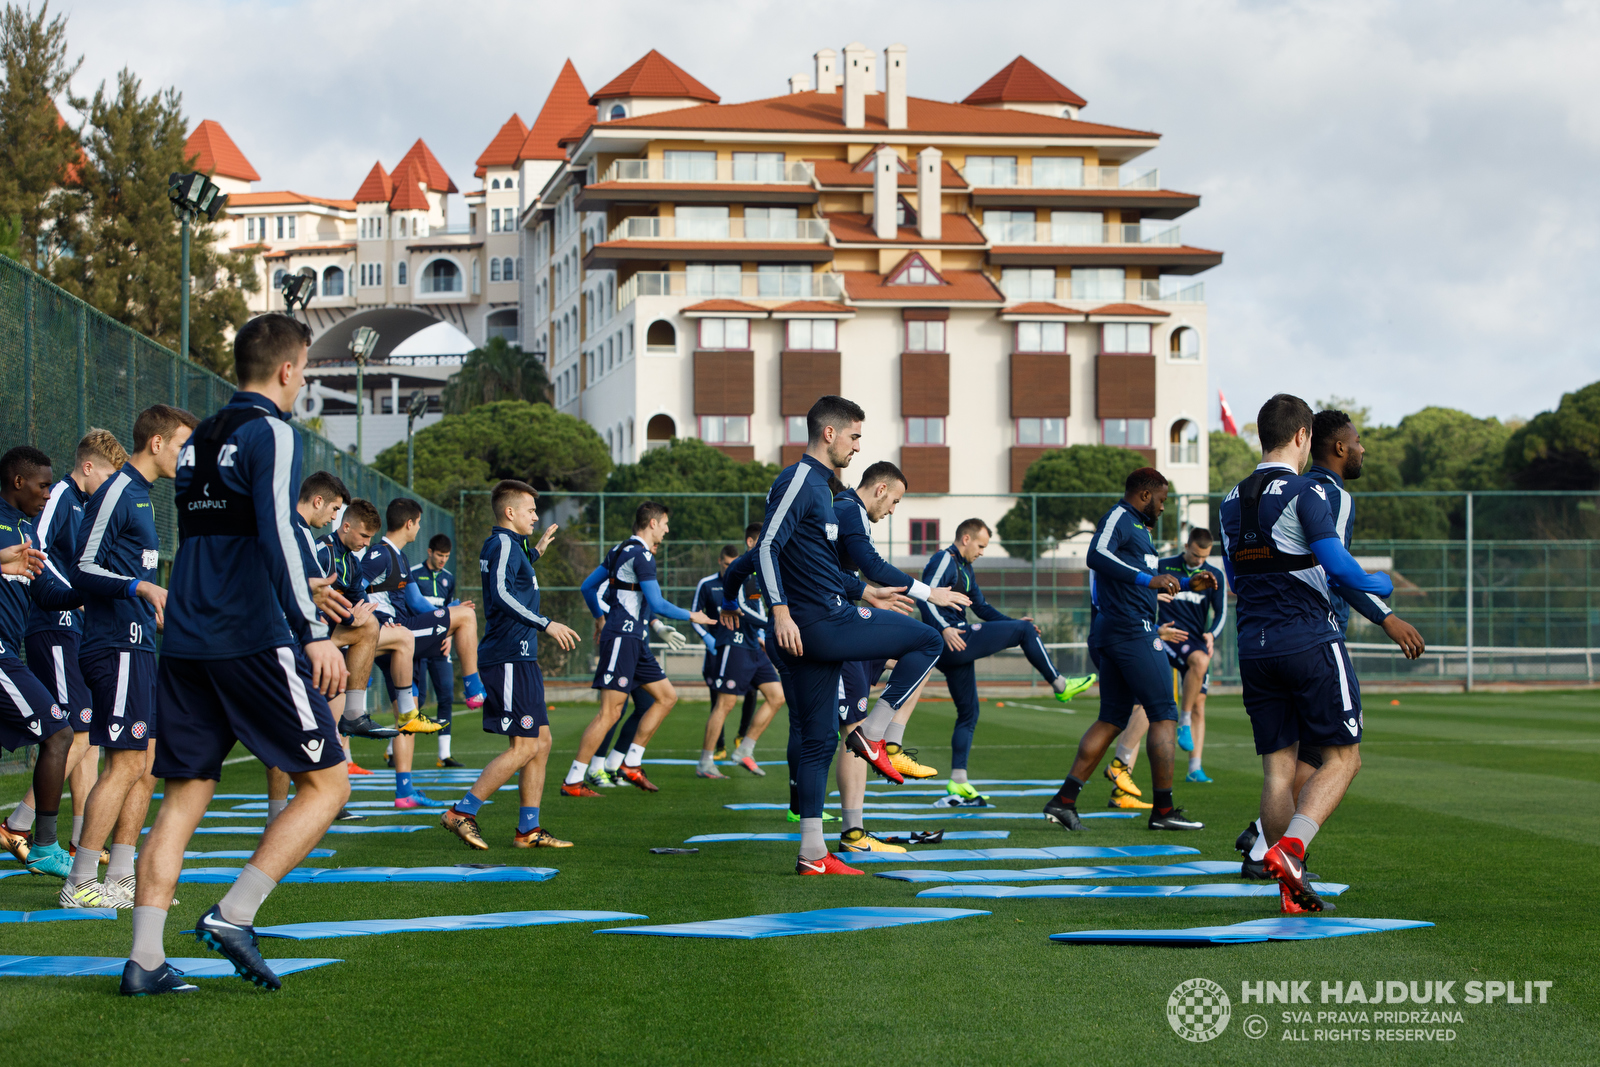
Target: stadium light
192,195
415,409
363,340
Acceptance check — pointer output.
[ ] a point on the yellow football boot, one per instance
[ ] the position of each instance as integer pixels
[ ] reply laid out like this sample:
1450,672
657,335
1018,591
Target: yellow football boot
417,723
1120,799
858,840
906,763
1117,773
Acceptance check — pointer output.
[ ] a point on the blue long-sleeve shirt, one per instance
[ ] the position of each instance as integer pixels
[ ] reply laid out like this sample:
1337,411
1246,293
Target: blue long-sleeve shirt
15,600
118,548
1343,506
632,593
56,605
1121,562
947,569
858,551
438,587
510,599
389,587
708,599
1189,609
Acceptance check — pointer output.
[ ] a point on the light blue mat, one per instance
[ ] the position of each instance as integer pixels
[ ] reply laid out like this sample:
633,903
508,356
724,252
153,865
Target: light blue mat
950,835
111,966
969,813
57,915
366,807
1054,852
825,921
1282,928
720,762
244,854
328,875
253,831
1218,889
1038,874
225,796
490,921
942,793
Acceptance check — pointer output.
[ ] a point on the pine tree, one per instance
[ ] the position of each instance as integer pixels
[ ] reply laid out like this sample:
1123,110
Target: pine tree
38,150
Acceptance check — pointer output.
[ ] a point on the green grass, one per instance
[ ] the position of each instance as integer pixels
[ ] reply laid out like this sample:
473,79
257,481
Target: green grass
1480,814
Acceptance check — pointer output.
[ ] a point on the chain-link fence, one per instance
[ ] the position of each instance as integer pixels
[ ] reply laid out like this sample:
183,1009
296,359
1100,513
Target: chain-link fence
1526,610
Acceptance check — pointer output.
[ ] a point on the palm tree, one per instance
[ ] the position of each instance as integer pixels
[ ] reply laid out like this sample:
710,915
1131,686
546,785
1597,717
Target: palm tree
497,371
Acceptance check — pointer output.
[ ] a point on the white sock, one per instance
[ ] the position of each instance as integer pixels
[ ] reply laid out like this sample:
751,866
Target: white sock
597,764
77,829
444,746
21,820
707,760
877,721
1303,828
1194,763
813,846
575,774
745,749
635,755
1059,684
148,925
959,777
1258,851
389,748
1183,719
613,760
1127,752
355,703
406,701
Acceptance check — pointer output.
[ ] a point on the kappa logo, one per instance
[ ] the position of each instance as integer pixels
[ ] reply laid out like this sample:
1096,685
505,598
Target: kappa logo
312,748
85,714
115,728
865,613
139,731
505,722
832,530
1353,726
56,712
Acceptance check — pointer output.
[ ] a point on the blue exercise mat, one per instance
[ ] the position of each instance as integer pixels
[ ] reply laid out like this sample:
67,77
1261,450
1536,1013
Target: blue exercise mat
972,813
825,921
366,807
251,831
243,854
111,966
1037,874
57,915
944,793
1281,928
1054,852
869,806
490,921
950,835
225,796
720,762
1215,889
328,875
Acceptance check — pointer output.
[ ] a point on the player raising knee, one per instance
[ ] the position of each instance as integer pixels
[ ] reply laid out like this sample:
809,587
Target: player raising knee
1200,616
515,707
735,665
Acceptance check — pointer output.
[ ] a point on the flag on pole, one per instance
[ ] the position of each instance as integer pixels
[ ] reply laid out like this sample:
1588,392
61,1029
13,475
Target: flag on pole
1230,425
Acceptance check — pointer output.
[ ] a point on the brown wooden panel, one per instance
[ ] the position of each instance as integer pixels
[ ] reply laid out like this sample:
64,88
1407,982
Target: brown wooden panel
1023,457
724,383
925,383
1125,387
925,314
807,376
738,453
1041,385
927,468
790,454
1149,455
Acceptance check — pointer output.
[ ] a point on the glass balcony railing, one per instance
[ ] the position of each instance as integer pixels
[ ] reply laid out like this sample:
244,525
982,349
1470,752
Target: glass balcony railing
1089,289
1055,174
705,171
671,228
746,285
1030,232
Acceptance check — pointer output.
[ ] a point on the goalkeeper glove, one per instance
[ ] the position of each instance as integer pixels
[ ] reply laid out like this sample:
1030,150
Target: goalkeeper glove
675,641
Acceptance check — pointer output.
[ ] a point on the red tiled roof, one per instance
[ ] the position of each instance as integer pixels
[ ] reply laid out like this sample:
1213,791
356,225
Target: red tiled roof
852,227
377,187
822,113
408,181
567,104
285,253
432,170
1023,82
964,286
72,174
1128,309
285,196
1041,307
217,153
654,75
725,305
838,172
813,307
502,151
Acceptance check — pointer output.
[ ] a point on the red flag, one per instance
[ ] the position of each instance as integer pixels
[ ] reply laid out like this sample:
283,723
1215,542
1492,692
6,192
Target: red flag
1230,425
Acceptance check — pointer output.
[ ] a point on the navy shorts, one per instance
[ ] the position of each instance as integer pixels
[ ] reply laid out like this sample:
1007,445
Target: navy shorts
264,701
27,713
856,679
430,630
122,684
515,704
626,663
1178,655
740,668
1134,672
53,659
1310,698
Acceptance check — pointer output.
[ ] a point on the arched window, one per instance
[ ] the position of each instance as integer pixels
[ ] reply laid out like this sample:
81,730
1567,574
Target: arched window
477,272
611,444
1185,343
495,184
441,276
618,111
1184,442
494,268
277,278
661,335
630,431
503,324
400,273
519,268
508,270
333,282
659,430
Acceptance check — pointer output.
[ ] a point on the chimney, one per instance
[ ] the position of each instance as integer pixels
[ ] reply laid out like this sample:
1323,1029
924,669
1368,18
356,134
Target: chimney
827,70
858,82
800,83
885,192
894,84
930,217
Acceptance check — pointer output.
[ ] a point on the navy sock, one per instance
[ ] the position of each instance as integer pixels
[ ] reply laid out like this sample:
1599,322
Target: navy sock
402,783
1163,801
469,805
527,819
1068,793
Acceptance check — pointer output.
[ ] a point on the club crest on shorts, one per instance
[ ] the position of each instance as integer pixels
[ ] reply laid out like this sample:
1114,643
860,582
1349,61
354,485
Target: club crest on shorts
56,712
439,614
527,722
865,613
975,627
731,684
1156,644
623,682
85,714
861,705
138,731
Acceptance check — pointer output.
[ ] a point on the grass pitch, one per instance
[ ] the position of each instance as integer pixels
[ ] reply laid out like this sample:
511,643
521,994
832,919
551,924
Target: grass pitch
1478,813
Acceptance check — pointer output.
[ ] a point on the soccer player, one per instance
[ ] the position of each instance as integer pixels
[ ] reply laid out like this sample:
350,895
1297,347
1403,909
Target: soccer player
510,656
28,715
1190,656
1282,549
740,666
1124,645
816,628
117,553
966,643
438,588
626,663
231,671
55,628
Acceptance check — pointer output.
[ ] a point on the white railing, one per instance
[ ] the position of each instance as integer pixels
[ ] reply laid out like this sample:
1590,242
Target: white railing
671,228
1062,175
746,286
1140,290
1070,235
697,172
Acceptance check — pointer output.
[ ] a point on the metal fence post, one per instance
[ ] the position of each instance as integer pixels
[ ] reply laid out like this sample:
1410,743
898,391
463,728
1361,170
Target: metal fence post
1034,533
83,371
1469,592
27,359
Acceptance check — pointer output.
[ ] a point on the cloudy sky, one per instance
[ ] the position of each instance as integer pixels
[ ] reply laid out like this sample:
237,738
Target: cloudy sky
1406,191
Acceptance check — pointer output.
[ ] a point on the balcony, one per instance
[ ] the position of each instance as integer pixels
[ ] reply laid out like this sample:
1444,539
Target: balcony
784,285
1134,290
670,228
705,172
1000,176
1074,236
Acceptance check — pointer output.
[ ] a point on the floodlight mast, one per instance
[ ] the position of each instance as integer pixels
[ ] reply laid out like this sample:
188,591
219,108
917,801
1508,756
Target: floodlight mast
192,195
414,411
363,340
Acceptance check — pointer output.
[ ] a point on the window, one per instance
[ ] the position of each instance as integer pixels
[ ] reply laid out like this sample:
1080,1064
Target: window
1028,283
1077,228
1184,442
1185,343
688,166
618,111
925,537
702,223
991,170
783,279
291,226
441,276
725,333
511,183
495,184
794,430
725,429
904,213
661,336
402,226
758,166
400,273
377,227
1125,433
477,271
280,227
914,270
611,303
1041,337
507,268
1098,283
278,276
774,223
713,279
1009,227
249,229
924,336
494,267
928,430
1125,337
1057,173
494,218
813,335
1042,432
